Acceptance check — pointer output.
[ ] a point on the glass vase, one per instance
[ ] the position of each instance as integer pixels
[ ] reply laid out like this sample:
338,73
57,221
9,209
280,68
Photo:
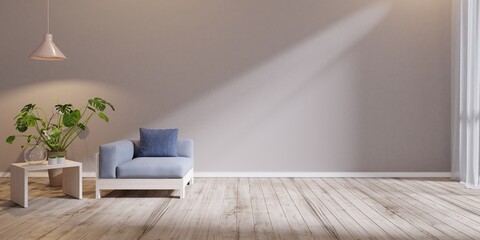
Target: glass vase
35,154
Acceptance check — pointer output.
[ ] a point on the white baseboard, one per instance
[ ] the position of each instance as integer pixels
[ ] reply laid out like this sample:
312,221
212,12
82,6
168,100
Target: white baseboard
89,174
286,174
323,174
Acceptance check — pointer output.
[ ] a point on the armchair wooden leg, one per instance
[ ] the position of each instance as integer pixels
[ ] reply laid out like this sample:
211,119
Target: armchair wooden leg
98,193
191,181
182,192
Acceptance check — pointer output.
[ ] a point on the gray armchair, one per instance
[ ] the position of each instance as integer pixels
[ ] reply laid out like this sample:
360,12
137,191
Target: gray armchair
120,168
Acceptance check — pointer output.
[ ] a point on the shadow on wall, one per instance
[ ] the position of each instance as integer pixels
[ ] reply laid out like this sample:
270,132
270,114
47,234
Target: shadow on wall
260,86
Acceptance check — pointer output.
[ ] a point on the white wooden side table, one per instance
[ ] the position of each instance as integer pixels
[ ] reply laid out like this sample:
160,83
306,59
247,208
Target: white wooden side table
72,179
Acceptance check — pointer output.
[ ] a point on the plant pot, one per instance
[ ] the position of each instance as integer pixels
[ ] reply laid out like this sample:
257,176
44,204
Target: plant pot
52,161
60,160
56,175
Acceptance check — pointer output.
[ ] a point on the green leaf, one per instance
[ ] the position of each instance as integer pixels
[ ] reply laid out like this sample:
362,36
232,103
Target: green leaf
100,104
29,138
77,115
111,106
68,120
21,127
27,108
103,116
30,120
71,119
55,133
24,121
65,108
10,139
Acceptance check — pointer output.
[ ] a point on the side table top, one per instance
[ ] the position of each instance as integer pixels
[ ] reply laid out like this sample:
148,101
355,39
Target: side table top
45,166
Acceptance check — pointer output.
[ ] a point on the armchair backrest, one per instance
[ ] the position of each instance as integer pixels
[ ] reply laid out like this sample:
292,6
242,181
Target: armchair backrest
184,148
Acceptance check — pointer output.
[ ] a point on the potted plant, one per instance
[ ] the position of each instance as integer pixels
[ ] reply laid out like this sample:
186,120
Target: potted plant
52,160
60,159
55,132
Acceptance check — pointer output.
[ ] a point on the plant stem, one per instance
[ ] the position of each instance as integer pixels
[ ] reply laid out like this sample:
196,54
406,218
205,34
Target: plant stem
78,133
43,137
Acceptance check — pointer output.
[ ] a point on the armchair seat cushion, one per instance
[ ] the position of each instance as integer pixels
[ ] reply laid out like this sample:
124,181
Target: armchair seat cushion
155,167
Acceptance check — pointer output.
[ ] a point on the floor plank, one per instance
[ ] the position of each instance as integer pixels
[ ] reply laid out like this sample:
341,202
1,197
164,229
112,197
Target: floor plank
352,208
281,227
438,208
251,208
263,228
320,224
339,213
416,208
293,215
350,193
385,208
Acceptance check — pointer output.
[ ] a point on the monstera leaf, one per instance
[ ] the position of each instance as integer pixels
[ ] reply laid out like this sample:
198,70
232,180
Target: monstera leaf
65,108
99,104
71,119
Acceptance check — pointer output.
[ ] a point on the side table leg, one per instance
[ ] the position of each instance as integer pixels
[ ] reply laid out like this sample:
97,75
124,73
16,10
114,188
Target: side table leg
72,181
19,186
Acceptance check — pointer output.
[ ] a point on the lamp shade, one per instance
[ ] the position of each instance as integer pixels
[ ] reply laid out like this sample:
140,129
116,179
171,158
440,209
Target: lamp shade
47,50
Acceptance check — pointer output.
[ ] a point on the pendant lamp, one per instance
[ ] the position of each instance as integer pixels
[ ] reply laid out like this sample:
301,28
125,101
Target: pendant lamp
47,49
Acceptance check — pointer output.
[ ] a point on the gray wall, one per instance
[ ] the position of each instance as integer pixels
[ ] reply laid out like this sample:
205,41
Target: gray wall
270,85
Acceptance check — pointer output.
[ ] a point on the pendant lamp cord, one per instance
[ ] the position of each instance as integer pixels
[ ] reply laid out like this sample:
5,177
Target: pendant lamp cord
48,16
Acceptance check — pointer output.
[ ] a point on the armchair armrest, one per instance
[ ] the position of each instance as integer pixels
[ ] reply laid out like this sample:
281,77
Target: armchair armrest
113,154
185,148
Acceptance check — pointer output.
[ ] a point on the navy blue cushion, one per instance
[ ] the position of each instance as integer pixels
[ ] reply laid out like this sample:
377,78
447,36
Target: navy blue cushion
158,142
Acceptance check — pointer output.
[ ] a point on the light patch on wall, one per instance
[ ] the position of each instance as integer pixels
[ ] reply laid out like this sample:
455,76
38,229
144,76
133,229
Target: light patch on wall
234,110
58,90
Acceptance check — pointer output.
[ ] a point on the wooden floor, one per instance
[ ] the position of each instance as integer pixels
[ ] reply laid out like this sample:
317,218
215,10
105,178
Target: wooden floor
251,208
